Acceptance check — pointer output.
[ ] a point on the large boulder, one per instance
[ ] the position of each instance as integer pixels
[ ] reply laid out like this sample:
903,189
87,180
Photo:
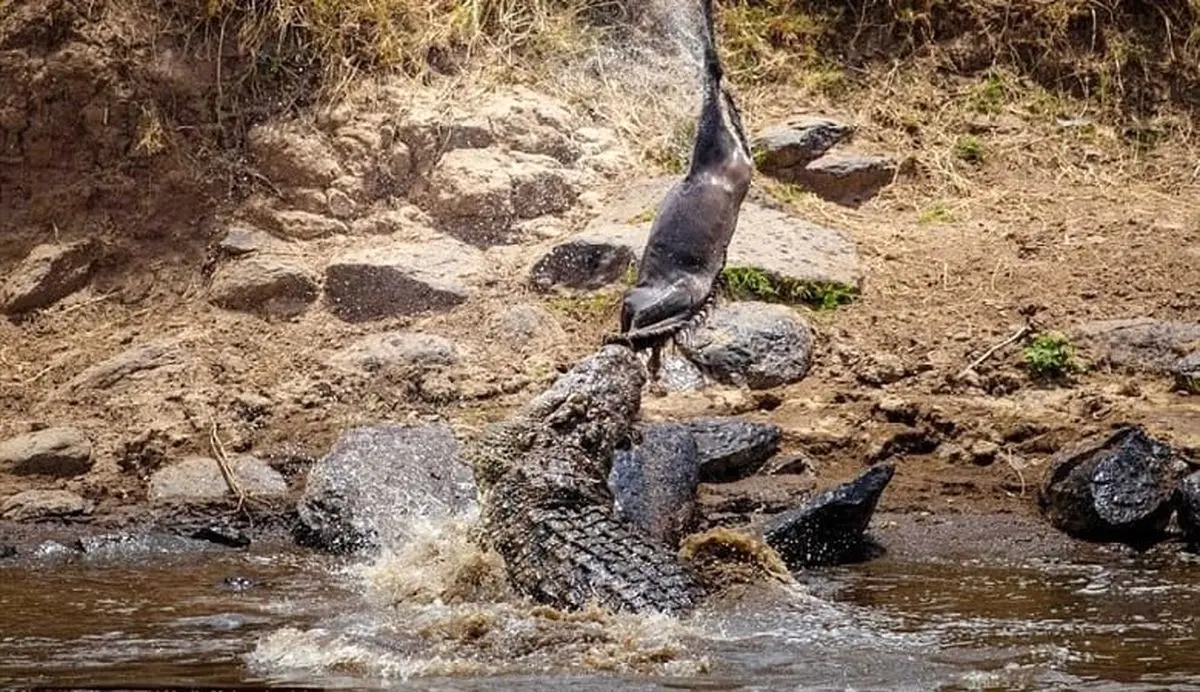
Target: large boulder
654,482
59,452
829,528
47,275
376,480
751,344
401,279
785,247
1115,488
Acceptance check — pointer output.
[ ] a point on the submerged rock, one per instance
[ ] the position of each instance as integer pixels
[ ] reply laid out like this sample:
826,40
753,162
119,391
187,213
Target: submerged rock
1188,500
654,482
126,545
376,481
829,529
752,344
39,505
1118,488
60,452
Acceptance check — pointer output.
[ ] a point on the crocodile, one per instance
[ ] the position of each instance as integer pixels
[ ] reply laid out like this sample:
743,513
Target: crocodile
545,506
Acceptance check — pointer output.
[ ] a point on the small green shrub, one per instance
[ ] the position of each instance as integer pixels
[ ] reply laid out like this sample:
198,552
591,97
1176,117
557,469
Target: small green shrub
750,283
937,213
1051,356
969,149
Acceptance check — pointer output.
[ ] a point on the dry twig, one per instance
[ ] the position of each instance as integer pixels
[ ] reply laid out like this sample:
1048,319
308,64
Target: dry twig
1016,336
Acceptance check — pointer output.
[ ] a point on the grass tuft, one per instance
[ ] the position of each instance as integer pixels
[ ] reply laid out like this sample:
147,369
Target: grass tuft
1051,356
751,283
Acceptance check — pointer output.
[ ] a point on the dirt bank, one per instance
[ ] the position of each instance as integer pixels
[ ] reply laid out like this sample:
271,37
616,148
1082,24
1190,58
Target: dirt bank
1014,201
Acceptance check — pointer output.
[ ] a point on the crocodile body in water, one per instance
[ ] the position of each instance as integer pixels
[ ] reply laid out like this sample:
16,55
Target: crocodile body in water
545,505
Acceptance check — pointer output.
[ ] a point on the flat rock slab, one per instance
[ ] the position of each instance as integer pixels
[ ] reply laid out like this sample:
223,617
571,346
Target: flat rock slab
829,529
198,480
47,275
37,505
1116,488
376,481
401,279
766,239
654,482
396,349
142,358
783,149
59,452
1139,344
264,284
752,344
846,179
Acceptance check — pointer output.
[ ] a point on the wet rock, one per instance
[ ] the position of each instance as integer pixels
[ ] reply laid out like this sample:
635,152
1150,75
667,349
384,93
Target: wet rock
654,482
540,187
198,480
60,452
122,546
829,529
263,284
1139,344
401,279
221,535
471,196
732,448
376,481
304,225
290,157
847,179
751,344
681,375
1186,372
1188,505
783,150
39,505
237,584
1117,488
47,275
772,241
146,357
396,349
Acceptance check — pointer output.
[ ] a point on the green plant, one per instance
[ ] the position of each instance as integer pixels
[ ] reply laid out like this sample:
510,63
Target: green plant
969,148
938,213
751,283
990,95
1051,356
645,216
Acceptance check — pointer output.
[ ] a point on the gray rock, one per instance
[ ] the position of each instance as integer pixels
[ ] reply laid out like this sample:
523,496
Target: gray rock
525,326
540,187
263,284
47,275
398,348
1188,505
681,375
198,480
60,452
732,448
240,239
829,529
847,179
751,344
402,279
123,546
1117,488
291,157
1186,371
654,482
470,195
781,150
376,480
1139,344
37,505
532,123
766,239
146,357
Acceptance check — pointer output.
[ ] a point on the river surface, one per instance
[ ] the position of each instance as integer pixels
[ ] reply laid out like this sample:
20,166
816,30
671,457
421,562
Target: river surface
906,621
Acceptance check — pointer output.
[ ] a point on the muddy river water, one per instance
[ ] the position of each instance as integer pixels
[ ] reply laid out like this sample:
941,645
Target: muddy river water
931,614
